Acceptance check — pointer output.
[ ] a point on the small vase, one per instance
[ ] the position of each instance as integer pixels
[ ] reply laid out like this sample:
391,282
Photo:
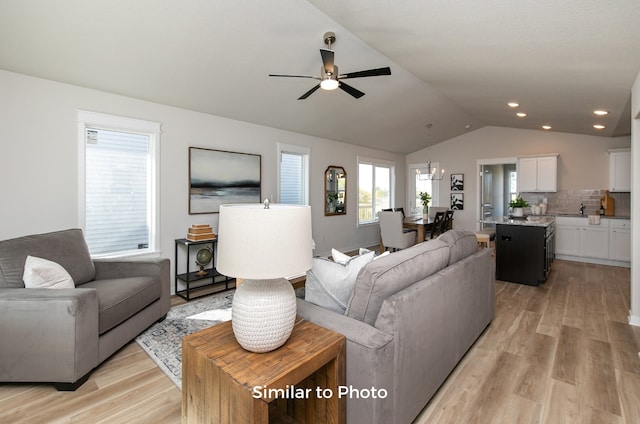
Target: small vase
425,212
518,212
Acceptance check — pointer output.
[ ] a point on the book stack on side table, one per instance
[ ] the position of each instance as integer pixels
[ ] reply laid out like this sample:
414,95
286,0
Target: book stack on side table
199,232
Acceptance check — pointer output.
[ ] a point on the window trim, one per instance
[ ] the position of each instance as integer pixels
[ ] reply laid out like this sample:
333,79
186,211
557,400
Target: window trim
305,152
392,184
103,121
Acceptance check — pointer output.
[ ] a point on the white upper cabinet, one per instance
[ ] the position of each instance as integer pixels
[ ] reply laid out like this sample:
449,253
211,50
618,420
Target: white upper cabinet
620,170
538,173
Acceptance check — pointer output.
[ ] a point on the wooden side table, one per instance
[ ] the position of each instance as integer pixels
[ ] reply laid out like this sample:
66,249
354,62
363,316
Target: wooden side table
298,382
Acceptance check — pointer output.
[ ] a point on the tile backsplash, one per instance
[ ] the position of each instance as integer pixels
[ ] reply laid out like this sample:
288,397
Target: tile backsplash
568,201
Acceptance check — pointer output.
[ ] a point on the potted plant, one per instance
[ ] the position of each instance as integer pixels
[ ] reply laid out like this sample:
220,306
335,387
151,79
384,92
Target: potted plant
517,206
425,198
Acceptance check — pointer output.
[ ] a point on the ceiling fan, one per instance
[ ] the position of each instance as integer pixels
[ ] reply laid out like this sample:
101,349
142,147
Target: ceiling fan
329,77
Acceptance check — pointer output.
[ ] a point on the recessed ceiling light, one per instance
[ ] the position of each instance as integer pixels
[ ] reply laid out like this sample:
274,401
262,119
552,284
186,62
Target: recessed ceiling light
601,112
521,114
546,127
513,104
599,126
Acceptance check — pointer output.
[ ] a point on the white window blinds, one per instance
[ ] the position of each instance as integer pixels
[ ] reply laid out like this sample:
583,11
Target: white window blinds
291,178
117,185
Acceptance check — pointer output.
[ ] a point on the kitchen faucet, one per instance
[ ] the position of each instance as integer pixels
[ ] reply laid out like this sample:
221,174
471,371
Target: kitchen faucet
581,208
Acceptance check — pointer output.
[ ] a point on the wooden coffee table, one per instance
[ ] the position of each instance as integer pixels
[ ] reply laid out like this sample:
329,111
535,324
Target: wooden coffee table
223,383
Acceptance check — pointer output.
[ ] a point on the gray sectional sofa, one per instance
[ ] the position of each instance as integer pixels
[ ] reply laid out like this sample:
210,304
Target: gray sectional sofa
60,335
412,316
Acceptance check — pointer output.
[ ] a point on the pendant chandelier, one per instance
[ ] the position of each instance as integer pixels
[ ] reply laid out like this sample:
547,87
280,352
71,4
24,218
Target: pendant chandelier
431,173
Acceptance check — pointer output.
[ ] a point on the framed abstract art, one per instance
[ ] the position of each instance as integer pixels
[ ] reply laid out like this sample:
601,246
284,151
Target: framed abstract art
217,177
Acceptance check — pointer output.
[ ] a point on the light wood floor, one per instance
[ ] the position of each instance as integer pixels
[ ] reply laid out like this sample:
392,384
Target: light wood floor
559,353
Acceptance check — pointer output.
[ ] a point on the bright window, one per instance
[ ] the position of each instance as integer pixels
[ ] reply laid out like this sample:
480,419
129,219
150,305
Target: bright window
293,180
119,184
375,188
417,183
513,185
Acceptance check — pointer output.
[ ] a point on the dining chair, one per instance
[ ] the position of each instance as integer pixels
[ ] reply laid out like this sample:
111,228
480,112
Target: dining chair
435,209
391,231
437,226
448,221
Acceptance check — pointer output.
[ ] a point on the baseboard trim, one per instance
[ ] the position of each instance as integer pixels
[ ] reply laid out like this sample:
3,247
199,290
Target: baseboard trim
634,320
609,262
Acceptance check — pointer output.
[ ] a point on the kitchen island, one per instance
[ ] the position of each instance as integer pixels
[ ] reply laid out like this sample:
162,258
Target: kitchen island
524,249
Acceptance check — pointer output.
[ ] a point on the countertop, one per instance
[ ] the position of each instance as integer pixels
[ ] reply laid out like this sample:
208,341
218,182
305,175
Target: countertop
531,221
577,215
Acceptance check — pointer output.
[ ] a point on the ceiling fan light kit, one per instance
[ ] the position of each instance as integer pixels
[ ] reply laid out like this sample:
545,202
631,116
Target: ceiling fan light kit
330,79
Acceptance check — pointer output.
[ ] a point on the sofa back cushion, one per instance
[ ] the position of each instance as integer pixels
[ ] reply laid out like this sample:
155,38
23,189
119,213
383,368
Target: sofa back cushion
67,248
388,275
463,243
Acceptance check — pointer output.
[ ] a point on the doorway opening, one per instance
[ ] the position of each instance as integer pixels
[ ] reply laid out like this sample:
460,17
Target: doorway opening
497,186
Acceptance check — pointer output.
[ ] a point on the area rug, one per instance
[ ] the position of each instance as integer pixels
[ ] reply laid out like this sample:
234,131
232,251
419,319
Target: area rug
163,340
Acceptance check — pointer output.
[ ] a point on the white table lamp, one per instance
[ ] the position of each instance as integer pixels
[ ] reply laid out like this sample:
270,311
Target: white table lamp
263,243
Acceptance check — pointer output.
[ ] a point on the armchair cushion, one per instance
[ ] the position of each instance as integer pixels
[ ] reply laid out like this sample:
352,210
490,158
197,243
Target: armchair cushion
121,298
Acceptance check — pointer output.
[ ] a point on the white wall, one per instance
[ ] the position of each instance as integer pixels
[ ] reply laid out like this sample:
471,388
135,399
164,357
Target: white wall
39,170
583,161
635,203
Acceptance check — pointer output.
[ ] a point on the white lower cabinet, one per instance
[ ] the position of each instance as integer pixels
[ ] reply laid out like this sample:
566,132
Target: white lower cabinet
594,242
567,240
584,241
620,240
609,241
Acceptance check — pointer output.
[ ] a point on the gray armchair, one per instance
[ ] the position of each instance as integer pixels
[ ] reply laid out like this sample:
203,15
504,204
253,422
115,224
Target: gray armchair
60,335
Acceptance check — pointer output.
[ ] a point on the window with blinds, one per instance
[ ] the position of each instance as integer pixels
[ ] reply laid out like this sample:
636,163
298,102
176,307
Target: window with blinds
290,178
117,191
118,184
293,175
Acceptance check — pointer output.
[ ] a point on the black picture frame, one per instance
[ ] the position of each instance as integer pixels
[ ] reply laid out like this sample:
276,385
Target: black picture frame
457,182
217,177
457,201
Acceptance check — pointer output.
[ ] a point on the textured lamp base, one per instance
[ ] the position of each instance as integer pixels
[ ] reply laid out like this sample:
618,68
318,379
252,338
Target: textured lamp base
263,313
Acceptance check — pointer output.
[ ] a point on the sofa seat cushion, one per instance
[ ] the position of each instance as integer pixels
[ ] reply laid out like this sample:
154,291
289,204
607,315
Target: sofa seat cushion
121,298
463,243
390,274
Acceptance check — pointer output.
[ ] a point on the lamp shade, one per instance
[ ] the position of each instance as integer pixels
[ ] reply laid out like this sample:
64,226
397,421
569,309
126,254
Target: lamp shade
259,243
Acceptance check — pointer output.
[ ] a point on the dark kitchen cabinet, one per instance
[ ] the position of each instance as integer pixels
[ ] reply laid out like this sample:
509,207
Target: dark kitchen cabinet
524,253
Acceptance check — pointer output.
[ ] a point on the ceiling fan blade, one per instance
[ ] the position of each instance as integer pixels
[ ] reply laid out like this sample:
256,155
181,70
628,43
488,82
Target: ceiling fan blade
327,59
353,91
368,73
294,76
308,93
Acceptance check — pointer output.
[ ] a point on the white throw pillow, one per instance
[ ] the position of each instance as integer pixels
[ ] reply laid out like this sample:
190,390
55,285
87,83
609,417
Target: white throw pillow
340,257
330,284
363,251
41,273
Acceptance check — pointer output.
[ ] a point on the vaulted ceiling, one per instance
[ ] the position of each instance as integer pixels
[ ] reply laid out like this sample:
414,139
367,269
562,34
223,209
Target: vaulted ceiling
454,64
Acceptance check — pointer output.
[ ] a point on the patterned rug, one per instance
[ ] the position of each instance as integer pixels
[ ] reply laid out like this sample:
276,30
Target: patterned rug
163,340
